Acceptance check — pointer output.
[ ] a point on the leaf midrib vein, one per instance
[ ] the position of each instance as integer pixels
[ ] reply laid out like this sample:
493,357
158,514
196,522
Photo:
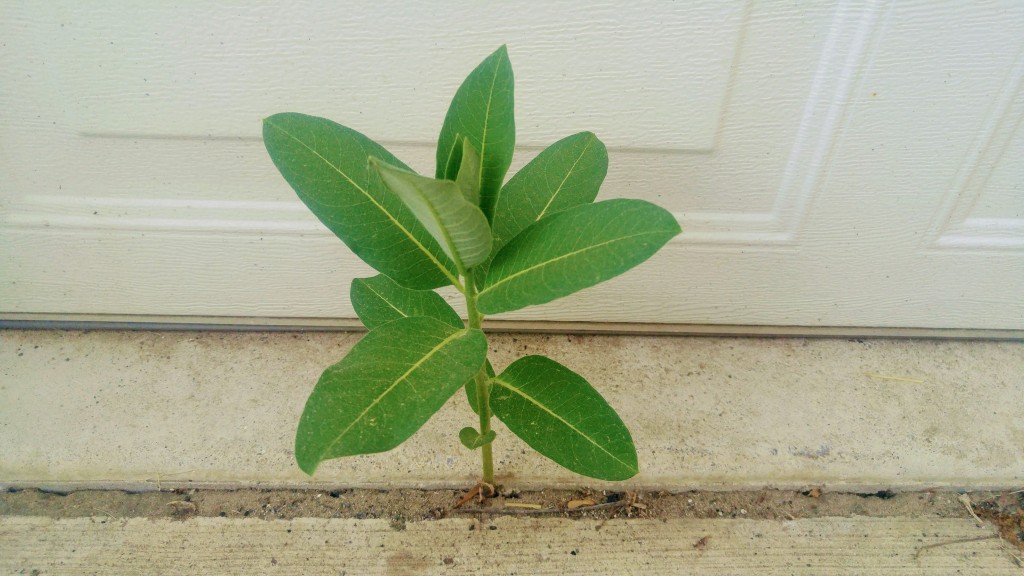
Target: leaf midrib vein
562,257
537,403
487,118
562,183
385,300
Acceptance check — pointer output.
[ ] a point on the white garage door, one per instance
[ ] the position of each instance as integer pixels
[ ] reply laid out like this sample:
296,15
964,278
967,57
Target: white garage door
832,164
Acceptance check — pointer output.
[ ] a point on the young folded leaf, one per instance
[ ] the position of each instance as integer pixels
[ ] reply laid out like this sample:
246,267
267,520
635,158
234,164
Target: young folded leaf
326,164
482,111
380,300
460,227
573,250
566,174
559,414
385,389
472,438
453,165
469,174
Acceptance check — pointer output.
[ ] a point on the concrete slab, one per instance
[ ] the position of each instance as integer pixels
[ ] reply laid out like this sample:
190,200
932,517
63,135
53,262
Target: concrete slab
146,409
862,546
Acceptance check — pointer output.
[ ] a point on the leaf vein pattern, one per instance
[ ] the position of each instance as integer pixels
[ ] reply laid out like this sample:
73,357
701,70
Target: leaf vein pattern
386,301
565,179
563,257
388,390
487,118
534,401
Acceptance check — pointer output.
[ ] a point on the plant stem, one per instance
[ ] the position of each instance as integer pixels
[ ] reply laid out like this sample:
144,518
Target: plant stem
483,403
483,388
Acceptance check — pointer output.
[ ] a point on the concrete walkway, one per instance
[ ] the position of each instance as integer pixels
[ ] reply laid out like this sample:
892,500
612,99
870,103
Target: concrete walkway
861,546
146,409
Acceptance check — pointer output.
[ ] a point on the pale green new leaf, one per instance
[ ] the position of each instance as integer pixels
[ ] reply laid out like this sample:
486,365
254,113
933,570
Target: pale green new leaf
566,174
472,438
469,174
379,300
326,164
385,389
460,227
481,111
573,250
559,414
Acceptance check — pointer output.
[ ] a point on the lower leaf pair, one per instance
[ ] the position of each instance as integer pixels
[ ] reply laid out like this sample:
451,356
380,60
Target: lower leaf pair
416,356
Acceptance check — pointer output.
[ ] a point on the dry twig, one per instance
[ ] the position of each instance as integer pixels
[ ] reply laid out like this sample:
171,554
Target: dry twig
477,490
534,509
966,501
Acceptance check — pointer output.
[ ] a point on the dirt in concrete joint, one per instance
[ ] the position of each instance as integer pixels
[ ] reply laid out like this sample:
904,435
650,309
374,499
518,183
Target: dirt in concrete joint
401,506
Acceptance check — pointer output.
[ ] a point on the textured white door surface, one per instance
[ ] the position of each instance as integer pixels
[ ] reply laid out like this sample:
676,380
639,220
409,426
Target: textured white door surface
832,164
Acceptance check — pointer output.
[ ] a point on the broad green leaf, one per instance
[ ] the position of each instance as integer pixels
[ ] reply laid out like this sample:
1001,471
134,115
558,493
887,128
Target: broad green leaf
385,389
472,438
469,174
566,174
559,414
380,300
481,111
326,164
471,388
460,227
573,250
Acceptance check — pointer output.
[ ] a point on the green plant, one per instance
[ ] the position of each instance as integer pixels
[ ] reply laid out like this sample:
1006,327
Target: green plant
503,245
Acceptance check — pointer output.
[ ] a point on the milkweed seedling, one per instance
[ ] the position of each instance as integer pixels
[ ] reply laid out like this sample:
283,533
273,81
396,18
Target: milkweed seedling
503,245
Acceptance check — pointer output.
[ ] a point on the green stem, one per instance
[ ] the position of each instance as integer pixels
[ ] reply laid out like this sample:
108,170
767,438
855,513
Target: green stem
483,388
